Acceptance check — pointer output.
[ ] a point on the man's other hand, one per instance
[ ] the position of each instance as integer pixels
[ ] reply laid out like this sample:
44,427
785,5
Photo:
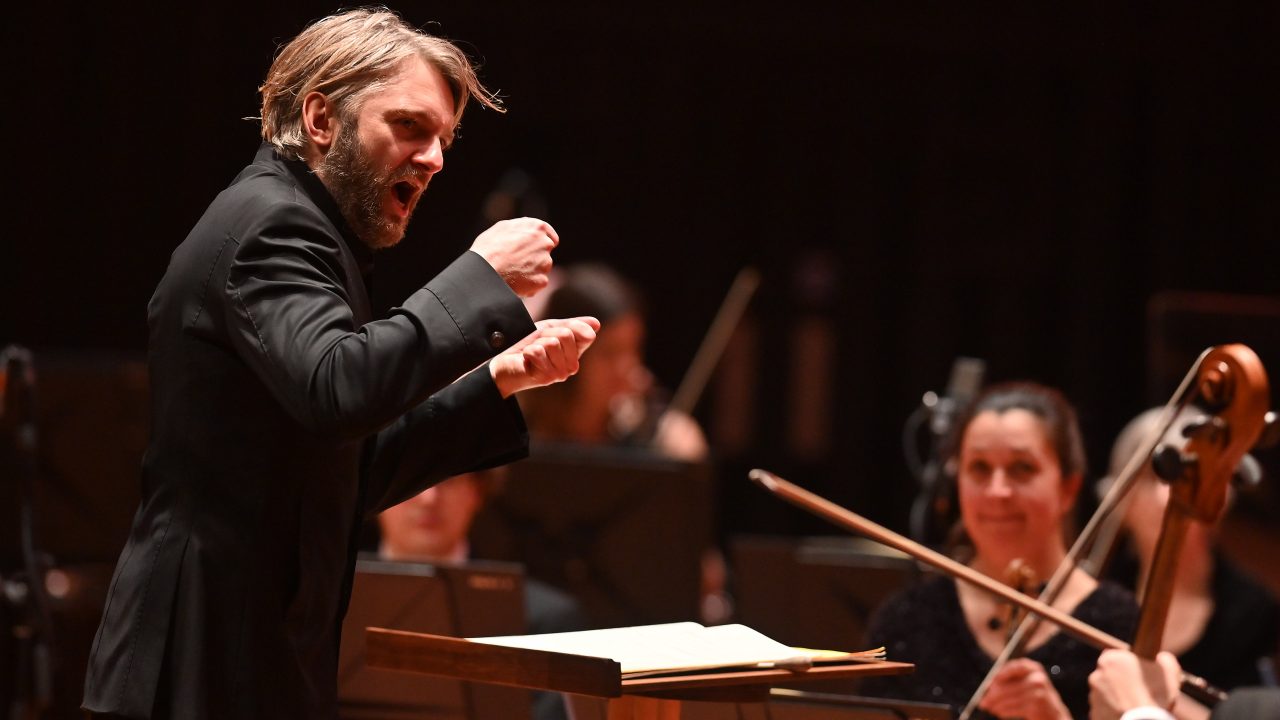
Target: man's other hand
520,250
547,355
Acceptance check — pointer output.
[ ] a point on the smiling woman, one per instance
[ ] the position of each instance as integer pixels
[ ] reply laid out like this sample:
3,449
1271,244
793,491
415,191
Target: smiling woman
1018,463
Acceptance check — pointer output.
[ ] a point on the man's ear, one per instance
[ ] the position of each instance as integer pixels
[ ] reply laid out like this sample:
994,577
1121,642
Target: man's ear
319,121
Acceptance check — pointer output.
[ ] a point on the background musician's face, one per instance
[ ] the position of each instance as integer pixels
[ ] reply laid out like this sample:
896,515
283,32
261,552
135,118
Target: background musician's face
1012,493
431,526
1145,504
617,366
1144,516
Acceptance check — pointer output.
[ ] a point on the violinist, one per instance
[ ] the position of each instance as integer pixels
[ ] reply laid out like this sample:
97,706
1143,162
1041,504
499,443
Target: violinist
1221,625
614,400
1018,461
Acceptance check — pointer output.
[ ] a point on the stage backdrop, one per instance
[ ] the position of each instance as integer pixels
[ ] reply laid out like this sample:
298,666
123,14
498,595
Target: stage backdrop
915,181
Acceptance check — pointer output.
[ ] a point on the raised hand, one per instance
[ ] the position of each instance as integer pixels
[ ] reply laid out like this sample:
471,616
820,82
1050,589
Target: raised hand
520,251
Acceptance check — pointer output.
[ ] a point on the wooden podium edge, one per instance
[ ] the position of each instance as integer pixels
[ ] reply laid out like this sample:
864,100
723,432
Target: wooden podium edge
742,685
462,659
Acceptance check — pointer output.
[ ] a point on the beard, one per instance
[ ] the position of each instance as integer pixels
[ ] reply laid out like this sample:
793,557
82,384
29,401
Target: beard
359,187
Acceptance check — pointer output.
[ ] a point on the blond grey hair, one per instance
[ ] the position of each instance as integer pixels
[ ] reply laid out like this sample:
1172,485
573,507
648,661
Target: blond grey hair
346,56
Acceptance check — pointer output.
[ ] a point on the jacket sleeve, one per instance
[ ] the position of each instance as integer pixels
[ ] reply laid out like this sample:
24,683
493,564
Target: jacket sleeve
465,427
289,316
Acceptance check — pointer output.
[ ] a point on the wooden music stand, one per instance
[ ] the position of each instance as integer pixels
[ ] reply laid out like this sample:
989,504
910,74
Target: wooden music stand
647,698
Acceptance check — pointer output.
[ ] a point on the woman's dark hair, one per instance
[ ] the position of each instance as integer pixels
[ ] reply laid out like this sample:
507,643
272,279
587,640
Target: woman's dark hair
585,289
1053,409
592,289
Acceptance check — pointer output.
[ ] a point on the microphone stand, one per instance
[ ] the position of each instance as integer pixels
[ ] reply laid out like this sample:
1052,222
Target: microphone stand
934,500
24,592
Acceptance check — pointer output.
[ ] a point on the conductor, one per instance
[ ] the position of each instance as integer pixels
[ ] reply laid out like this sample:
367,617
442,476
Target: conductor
282,411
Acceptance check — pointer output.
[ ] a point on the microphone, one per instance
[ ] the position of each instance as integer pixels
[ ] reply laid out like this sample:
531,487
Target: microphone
962,386
34,692
932,504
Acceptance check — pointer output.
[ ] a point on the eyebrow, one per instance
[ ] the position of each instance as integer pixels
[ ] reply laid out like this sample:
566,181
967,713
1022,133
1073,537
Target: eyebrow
446,135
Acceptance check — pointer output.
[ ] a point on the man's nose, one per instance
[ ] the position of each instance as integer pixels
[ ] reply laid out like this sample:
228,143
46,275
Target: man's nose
430,156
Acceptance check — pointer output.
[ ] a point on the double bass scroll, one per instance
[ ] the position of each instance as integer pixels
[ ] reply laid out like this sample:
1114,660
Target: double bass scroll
1232,386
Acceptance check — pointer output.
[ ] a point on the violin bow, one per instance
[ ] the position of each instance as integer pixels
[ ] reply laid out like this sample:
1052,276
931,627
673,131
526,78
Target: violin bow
850,520
714,342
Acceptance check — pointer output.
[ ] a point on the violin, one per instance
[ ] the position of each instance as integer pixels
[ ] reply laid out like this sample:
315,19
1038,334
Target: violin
1021,577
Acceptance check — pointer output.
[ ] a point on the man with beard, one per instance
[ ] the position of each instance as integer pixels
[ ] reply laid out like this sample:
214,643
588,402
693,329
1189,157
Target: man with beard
283,413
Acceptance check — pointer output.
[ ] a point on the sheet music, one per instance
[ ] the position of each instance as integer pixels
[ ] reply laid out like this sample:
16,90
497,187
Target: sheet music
671,647
667,647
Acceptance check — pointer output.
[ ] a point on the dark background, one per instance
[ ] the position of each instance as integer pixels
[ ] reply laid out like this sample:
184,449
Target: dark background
916,181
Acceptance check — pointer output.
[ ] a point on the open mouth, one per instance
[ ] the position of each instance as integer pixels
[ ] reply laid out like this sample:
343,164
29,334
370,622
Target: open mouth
404,192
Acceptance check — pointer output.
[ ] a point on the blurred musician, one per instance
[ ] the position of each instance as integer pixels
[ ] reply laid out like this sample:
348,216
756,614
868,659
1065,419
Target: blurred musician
1222,626
432,527
614,401
1019,462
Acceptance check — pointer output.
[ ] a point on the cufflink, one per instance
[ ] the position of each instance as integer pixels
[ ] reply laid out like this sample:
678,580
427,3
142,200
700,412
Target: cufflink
497,339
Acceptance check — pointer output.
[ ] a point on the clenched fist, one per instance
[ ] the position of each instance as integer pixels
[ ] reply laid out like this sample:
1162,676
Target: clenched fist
520,250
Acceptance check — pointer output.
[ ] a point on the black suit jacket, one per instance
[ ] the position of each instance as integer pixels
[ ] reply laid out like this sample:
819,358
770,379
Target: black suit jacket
282,413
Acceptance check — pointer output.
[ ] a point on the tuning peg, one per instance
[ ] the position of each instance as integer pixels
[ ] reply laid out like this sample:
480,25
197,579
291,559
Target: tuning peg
1169,462
1270,431
1210,428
